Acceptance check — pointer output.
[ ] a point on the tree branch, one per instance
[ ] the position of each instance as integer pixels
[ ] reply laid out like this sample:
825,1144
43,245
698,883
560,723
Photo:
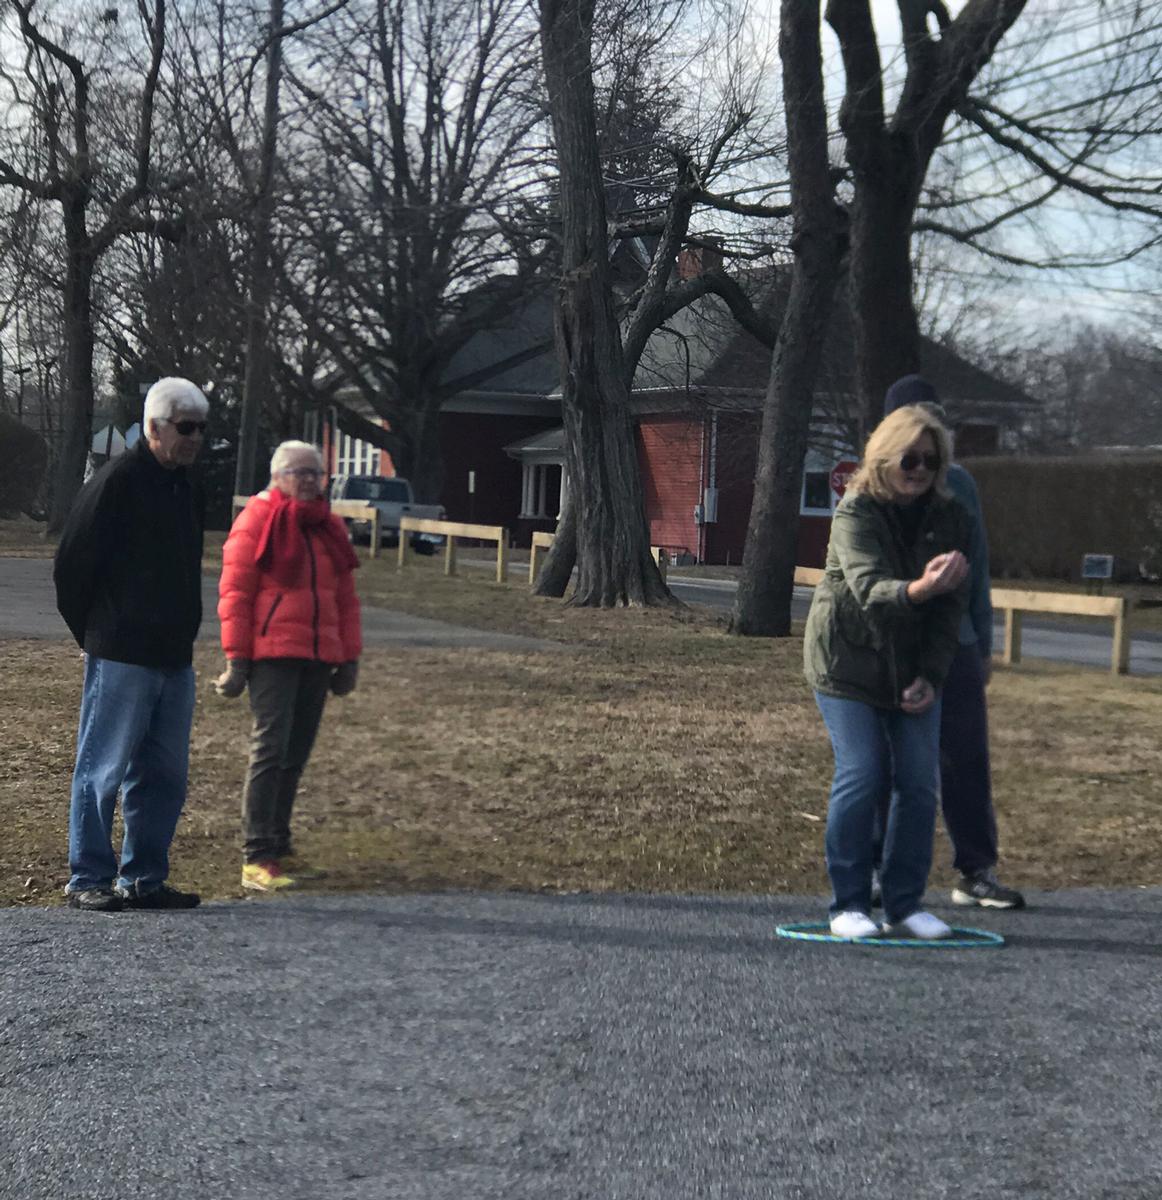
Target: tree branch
973,112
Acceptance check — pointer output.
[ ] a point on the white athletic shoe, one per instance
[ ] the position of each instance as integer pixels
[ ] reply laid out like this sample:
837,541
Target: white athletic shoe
853,925
922,925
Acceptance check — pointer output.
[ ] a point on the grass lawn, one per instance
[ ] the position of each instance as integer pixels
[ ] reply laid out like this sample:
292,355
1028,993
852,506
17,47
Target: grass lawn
655,753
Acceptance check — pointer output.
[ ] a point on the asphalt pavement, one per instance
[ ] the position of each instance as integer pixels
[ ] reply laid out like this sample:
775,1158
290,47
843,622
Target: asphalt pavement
454,1047
28,610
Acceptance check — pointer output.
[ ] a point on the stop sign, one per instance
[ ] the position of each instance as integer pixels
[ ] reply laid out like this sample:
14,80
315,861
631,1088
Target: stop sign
840,474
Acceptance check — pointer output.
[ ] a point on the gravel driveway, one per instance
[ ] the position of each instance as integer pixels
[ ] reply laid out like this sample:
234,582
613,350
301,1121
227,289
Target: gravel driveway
461,1046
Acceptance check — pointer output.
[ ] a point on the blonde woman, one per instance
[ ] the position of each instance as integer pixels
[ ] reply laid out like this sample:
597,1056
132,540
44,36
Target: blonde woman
882,631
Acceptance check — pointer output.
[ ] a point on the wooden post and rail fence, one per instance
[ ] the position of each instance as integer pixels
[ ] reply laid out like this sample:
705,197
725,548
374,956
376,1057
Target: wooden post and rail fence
451,531
542,541
1013,602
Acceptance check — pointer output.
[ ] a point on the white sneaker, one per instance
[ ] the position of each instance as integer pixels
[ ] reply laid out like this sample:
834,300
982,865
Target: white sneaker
922,925
853,925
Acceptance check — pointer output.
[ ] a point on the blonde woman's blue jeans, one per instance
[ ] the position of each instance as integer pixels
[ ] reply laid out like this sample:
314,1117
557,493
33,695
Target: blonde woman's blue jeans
878,751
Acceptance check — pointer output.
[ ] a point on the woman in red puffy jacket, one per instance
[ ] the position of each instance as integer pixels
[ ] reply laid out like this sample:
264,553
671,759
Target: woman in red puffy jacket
291,630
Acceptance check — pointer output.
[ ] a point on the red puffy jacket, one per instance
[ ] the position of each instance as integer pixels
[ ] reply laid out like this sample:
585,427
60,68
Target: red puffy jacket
317,618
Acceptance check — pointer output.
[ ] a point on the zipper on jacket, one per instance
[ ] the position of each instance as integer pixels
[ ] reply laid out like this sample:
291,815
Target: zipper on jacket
314,594
270,615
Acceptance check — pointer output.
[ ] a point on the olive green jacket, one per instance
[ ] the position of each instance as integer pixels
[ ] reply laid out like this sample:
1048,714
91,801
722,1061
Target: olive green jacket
865,640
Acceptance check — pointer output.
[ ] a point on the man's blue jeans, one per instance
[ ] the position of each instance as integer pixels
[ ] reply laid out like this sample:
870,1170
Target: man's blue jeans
878,751
134,737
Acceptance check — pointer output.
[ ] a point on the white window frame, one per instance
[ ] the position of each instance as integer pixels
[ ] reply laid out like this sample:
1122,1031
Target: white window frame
815,464
356,457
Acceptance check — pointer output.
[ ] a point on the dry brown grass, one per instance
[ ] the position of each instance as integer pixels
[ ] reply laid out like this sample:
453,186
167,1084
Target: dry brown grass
657,754
25,539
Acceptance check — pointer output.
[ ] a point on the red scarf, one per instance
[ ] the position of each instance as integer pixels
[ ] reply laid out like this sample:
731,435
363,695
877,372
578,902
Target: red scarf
282,542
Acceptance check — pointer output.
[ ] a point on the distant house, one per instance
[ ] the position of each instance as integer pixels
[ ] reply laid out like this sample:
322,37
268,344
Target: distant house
697,402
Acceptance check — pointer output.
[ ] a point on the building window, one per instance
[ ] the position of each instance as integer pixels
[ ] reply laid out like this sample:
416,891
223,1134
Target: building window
817,493
357,457
541,491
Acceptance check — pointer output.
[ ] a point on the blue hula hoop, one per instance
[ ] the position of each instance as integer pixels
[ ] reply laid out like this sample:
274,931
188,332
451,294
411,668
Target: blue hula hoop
964,938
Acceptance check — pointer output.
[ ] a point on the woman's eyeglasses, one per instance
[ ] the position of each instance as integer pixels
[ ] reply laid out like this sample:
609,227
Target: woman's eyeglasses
911,460
303,472
185,428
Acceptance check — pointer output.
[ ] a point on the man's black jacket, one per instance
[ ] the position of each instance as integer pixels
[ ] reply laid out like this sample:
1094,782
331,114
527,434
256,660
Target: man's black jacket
128,570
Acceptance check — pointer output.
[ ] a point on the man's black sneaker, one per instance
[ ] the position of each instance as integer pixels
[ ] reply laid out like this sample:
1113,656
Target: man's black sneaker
161,897
983,890
96,899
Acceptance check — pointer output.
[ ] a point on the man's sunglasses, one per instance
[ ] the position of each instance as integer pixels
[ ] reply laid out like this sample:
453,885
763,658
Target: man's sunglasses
911,460
185,428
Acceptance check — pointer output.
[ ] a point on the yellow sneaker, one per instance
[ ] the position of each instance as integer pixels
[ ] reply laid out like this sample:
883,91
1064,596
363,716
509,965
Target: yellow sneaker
266,876
300,868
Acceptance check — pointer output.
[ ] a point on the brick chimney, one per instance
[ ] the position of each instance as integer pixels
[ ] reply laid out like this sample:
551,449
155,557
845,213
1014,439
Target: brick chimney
694,260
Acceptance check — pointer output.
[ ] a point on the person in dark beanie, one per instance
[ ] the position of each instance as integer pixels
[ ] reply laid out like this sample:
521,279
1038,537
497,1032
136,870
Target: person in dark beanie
128,576
965,777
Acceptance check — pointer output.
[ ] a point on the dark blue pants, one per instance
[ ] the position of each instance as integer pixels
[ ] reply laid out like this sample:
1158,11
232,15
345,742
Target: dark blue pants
966,794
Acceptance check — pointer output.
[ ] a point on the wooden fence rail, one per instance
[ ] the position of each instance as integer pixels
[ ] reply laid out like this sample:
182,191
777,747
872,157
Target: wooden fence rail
1014,603
453,530
543,540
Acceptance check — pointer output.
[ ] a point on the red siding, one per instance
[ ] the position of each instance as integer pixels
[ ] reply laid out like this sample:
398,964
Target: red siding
475,442
737,449
670,452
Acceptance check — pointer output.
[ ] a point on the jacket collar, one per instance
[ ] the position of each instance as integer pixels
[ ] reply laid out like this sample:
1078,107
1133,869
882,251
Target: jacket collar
155,469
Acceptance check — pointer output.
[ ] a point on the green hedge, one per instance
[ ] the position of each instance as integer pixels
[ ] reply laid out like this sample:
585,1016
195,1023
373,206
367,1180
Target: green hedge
1044,514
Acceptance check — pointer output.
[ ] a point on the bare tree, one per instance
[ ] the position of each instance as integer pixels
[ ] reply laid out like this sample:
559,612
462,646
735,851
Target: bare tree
405,229
605,516
763,601
1078,128
66,153
889,158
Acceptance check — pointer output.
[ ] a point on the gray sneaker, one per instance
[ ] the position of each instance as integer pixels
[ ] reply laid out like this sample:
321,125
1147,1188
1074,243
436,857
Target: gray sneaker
983,891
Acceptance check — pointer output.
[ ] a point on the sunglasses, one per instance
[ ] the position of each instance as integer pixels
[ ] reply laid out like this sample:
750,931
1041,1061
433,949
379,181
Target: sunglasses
186,428
911,460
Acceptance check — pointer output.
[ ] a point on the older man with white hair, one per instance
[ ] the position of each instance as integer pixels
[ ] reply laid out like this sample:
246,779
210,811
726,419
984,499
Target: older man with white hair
128,576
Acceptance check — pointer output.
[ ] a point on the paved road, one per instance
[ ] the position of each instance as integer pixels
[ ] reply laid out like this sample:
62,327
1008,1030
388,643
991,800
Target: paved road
455,1047
1039,638
28,610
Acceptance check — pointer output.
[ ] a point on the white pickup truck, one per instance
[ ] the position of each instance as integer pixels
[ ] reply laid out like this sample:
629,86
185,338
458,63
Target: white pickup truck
393,497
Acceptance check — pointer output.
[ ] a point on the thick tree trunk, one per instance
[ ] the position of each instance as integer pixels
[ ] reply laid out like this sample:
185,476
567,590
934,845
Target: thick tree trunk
614,566
77,372
886,330
426,468
554,576
763,602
